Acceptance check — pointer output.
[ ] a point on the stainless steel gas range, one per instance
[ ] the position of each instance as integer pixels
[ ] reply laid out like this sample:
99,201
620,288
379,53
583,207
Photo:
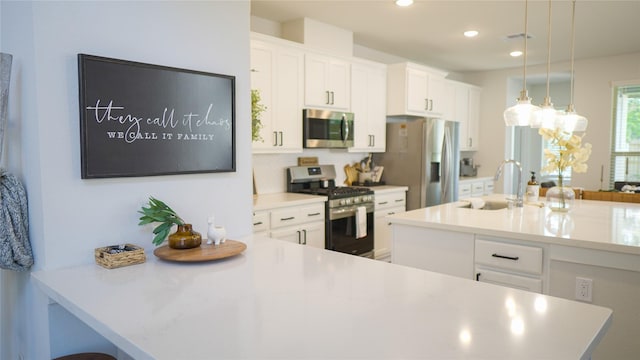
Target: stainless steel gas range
349,218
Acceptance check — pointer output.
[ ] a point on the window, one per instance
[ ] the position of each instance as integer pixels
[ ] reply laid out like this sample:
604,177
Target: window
625,152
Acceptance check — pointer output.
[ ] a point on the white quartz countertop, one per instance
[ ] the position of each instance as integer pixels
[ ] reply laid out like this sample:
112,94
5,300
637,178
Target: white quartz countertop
600,225
275,200
281,300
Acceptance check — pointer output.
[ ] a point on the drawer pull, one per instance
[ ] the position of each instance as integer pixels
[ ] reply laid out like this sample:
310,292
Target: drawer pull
383,203
257,223
314,214
399,200
289,218
514,258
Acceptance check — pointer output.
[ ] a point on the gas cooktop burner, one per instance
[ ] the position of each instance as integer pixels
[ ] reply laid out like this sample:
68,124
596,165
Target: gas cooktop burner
338,192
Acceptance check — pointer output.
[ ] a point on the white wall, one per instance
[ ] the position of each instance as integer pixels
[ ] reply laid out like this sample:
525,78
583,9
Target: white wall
592,98
69,217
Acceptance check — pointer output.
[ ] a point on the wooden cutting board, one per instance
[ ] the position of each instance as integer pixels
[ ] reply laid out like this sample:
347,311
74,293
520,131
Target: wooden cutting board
202,253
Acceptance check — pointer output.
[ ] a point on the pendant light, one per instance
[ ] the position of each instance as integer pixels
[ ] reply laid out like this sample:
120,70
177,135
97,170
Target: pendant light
569,120
520,114
546,115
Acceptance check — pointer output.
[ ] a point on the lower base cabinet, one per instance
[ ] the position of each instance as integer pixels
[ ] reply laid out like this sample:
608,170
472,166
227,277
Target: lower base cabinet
300,224
309,234
440,251
387,202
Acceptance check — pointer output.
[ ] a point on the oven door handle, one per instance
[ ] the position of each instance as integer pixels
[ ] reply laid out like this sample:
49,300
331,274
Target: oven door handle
346,212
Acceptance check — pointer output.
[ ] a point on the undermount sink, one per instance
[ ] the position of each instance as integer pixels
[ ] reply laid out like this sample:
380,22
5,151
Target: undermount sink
488,205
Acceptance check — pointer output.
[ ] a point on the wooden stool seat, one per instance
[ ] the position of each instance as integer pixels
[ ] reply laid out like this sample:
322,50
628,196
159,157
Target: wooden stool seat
86,356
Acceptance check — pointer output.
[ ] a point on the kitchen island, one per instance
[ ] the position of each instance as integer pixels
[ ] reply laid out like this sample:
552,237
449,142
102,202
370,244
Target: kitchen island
284,300
590,254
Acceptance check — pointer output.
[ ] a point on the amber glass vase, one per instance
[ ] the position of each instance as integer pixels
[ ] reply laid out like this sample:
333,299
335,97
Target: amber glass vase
185,238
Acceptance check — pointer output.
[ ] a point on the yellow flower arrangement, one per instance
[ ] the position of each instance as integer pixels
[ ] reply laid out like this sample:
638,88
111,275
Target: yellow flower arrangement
571,154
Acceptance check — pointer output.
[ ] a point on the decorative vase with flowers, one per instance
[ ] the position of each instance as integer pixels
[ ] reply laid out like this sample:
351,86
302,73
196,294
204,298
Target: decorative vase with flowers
158,211
569,153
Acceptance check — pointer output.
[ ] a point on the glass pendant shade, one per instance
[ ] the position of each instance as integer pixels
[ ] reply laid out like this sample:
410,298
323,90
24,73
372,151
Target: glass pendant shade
520,114
570,121
545,117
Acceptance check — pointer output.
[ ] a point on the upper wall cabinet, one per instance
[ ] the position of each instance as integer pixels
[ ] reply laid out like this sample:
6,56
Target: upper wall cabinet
467,112
327,82
415,90
368,103
277,72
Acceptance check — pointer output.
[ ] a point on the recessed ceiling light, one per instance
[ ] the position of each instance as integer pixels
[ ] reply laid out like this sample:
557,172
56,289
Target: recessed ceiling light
471,33
404,2
516,53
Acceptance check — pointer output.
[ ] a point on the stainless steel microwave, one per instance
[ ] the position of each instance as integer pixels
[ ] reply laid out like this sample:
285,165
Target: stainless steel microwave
327,129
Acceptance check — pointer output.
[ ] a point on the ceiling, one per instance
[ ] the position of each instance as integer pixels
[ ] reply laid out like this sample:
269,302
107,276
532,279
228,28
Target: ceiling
430,31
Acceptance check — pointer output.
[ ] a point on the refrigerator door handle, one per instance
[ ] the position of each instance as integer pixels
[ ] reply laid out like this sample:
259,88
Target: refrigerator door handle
445,163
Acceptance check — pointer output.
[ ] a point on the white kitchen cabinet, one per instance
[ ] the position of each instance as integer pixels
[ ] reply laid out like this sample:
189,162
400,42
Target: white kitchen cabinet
477,188
415,90
327,82
388,203
467,112
488,186
302,224
311,234
261,222
368,103
277,72
464,190
446,252
504,262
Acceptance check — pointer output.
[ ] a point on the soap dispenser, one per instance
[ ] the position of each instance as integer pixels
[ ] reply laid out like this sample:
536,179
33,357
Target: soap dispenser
533,188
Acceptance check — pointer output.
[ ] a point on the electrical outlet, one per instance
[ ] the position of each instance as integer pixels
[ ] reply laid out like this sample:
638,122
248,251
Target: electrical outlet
584,289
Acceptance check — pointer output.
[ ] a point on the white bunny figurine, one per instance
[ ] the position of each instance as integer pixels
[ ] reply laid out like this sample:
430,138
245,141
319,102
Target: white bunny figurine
215,234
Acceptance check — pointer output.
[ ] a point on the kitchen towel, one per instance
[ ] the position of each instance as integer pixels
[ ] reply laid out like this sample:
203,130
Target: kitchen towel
361,222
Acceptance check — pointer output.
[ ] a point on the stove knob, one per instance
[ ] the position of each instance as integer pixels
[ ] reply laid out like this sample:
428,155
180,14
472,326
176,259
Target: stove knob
341,202
356,200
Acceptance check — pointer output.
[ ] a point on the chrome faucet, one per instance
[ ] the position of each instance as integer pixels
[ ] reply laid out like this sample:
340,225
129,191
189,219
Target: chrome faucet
519,202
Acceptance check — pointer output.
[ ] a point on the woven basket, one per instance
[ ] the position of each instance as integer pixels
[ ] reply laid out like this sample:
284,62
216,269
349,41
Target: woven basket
110,261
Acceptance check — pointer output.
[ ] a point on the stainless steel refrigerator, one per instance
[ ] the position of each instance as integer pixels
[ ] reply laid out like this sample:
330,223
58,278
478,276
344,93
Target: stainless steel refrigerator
424,155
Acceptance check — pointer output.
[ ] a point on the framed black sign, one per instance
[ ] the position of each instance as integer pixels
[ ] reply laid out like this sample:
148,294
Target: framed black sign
141,119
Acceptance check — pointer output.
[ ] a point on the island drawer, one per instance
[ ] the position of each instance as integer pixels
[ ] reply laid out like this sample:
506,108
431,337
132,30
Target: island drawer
509,280
521,258
297,215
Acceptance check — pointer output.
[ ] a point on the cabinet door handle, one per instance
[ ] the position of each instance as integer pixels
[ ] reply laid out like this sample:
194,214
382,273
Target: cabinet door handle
478,277
313,214
470,142
275,138
332,98
299,237
514,258
430,105
304,233
426,104
287,218
328,98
